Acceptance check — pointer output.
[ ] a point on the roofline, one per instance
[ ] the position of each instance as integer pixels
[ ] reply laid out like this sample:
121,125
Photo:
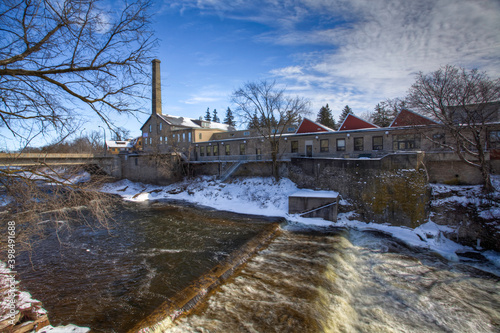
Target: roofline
352,114
417,114
328,129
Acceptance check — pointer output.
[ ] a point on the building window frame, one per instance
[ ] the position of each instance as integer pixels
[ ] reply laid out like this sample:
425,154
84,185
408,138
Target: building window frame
324,145
494,139
243,149
228,149
405,141
294,147
359,143
378,142
341,144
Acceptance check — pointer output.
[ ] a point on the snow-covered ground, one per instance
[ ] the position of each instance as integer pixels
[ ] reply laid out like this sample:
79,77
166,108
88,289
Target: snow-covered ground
263,196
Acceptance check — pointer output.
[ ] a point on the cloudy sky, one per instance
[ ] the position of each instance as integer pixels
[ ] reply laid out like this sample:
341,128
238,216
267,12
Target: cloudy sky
354,52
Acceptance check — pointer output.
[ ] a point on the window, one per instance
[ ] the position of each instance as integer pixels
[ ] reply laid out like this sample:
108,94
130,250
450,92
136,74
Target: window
324,146
242,149
202,151
494,140
246,133
216,150
161,140
200,136
189,137
209,151
150,127
295,146
166,139
439,140
378,142
183,137
405,141
340,144
291,129
358,144
161,127
228,150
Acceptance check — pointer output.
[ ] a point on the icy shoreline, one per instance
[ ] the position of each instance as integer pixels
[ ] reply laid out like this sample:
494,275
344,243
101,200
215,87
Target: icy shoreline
263,196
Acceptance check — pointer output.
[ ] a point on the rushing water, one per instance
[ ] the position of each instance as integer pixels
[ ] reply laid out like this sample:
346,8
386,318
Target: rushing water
111,279
349,281
329,280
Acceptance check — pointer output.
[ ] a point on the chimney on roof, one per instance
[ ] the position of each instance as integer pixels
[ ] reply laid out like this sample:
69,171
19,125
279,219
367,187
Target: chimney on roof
156,98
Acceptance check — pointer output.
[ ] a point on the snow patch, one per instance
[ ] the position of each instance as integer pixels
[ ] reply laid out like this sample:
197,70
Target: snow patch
264,196
64,329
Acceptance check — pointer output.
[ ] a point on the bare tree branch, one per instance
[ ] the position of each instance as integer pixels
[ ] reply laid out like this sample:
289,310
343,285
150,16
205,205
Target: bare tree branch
275,110
59,55
461,102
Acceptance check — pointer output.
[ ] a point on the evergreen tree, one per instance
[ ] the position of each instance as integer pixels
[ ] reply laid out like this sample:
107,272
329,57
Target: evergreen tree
229,120
207,115
380,116
215,119
254,123
325,117
344,114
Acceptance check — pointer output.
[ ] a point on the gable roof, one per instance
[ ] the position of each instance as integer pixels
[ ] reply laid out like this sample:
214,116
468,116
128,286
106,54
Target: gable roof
189,122
351,122
309,126
410,118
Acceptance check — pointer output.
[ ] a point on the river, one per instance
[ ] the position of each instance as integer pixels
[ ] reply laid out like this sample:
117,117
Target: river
306,280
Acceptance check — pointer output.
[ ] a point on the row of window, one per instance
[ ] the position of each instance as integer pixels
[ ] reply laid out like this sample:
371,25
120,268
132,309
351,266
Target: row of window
377,144
214,150
400,142
175,137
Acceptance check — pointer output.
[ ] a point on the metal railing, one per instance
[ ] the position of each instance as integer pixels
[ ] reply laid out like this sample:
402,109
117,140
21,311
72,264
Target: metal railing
289,156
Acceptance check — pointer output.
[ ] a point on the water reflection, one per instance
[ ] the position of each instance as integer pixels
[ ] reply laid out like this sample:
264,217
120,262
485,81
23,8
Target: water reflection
110,279
328,280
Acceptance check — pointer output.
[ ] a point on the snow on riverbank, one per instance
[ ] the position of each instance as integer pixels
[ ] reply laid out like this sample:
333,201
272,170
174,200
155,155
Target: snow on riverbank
263,196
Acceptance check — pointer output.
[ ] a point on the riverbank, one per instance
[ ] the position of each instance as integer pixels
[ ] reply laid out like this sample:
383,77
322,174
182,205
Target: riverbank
263,196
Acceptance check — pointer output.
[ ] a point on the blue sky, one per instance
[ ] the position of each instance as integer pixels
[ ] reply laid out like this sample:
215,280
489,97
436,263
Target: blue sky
355,52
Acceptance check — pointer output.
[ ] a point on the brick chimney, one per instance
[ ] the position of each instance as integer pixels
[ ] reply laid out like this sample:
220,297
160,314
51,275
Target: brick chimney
156,98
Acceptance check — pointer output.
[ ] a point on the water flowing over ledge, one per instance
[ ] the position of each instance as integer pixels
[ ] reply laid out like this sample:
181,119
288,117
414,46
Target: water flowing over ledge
186,300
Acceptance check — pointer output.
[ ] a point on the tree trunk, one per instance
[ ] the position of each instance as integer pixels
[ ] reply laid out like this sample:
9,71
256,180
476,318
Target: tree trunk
276,169
487,186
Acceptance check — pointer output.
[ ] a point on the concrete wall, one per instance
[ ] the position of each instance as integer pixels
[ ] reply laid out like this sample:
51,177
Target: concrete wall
447,168
154,169
388,190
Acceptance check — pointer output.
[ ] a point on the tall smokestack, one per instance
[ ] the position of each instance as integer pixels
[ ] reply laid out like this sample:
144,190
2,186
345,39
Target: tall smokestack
156,105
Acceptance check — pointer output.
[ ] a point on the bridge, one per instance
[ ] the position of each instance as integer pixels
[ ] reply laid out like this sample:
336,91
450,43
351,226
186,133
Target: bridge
108,163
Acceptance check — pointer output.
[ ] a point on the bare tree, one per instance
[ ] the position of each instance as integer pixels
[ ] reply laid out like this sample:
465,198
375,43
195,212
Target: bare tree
60,56
57,58
275,110
461,101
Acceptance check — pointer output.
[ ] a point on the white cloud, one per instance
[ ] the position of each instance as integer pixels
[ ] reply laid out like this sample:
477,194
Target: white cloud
375,56
207,96
368,50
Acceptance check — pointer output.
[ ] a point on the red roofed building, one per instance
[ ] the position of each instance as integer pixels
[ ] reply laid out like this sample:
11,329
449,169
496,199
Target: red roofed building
309,126
409,118
351,122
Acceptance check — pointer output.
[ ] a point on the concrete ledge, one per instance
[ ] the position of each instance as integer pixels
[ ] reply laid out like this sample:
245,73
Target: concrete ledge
186,300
